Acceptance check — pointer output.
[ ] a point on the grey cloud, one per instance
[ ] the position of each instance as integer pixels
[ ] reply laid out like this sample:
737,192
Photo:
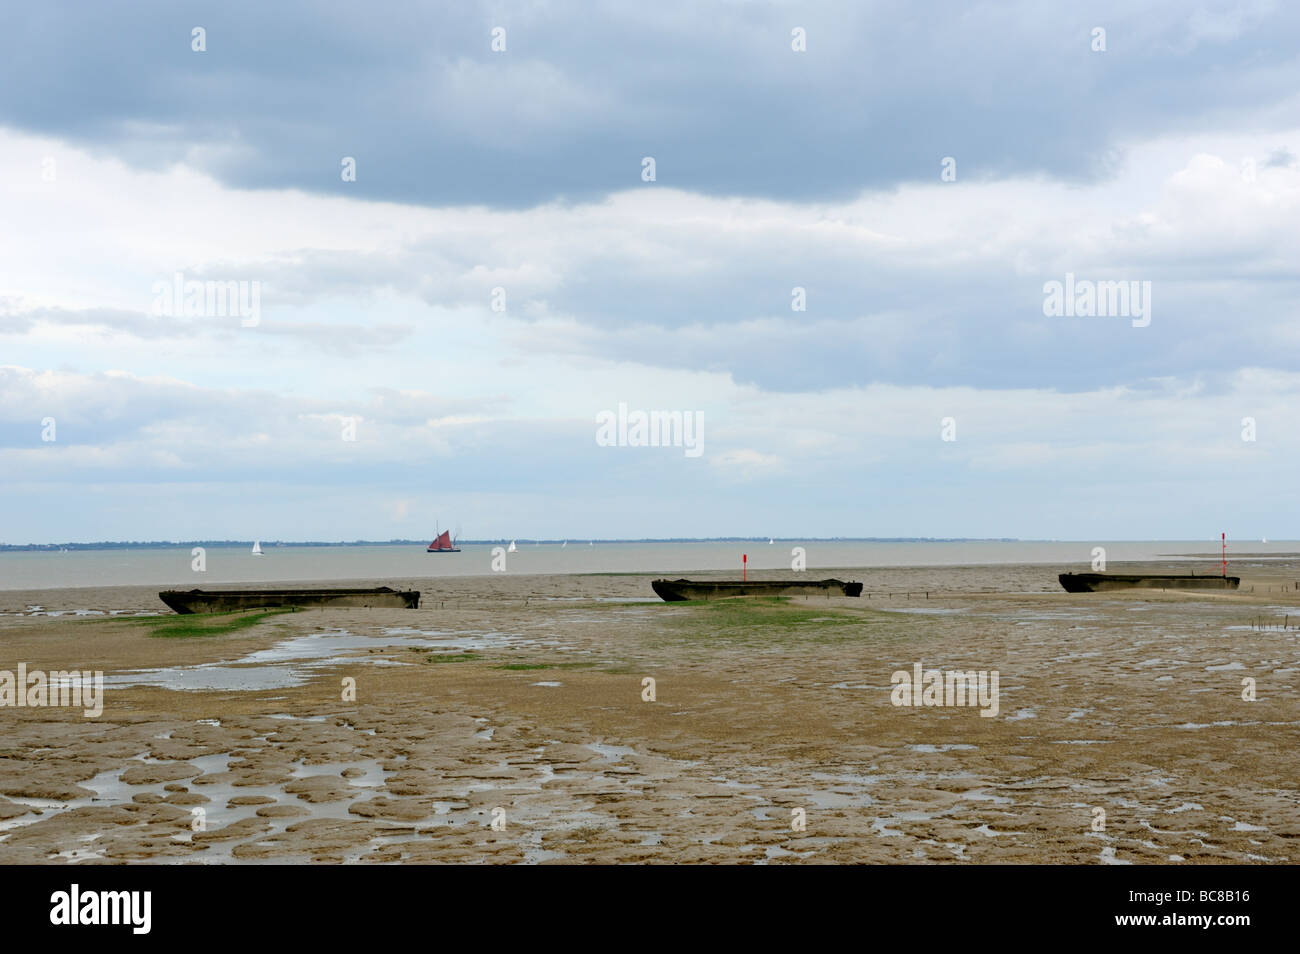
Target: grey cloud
713,92
101,409
1280,158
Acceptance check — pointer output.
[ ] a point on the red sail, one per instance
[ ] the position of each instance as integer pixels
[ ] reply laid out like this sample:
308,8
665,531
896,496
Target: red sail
443,542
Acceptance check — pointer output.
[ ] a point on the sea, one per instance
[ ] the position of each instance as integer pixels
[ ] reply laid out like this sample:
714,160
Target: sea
172,566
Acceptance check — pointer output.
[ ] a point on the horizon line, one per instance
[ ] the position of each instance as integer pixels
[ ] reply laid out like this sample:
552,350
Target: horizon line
143,544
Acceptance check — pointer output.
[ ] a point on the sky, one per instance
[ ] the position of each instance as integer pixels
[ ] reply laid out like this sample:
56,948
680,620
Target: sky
455,260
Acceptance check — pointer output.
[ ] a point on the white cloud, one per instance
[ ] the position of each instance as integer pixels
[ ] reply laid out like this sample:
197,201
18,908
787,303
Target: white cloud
662,299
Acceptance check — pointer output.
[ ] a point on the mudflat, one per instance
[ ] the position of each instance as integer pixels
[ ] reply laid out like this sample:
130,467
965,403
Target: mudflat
509,719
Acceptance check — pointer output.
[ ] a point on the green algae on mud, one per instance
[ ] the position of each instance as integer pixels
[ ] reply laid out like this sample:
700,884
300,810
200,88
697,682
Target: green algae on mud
757,619
206,624
455,657
177,626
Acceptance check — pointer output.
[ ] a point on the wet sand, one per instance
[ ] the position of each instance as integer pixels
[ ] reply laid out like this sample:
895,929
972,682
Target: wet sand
520,699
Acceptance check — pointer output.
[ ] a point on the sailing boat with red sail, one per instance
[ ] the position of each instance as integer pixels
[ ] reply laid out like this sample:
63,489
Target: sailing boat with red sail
443,544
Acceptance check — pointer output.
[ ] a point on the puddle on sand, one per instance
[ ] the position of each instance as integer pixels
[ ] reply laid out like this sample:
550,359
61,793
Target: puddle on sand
76,612
978,795
365,778
936,611
87,853
1082,742
1205,725
1025,619
220,813
461,642
776,851
373,774
534,853
108,788
1107,857
830,800
597,599
881,827
611,753
289,662
209,677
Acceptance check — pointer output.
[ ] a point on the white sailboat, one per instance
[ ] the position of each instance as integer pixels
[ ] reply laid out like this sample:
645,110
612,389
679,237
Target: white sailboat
257,548
512,548
769,541
564,544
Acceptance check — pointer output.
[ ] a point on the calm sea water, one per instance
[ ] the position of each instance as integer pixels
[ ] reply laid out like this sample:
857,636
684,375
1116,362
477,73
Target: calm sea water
225,565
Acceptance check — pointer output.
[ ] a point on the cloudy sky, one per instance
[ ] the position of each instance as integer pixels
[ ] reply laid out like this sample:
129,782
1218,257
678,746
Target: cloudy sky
435,337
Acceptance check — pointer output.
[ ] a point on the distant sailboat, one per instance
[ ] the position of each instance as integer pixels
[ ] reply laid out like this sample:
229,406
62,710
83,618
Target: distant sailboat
257,548
769,541
512,548
443,544
564,544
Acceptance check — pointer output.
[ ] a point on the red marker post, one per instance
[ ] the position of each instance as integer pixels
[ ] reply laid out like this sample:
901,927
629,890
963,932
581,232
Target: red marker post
744,566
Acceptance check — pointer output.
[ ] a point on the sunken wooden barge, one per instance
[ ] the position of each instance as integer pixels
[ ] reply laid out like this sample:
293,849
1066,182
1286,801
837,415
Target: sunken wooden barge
677,591
225,601
1095,582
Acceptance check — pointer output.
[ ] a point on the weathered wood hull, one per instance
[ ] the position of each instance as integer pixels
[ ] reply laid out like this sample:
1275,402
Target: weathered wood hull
225,601
1094,582
677,591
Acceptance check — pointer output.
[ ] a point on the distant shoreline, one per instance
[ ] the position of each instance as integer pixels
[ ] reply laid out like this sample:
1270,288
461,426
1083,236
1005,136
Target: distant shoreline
174,544
522,541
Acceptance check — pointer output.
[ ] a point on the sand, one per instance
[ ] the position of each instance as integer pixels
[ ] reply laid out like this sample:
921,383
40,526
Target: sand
771,737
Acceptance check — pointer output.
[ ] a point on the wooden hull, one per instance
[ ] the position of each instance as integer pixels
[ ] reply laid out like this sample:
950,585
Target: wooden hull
226,601
1094,582
677,591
